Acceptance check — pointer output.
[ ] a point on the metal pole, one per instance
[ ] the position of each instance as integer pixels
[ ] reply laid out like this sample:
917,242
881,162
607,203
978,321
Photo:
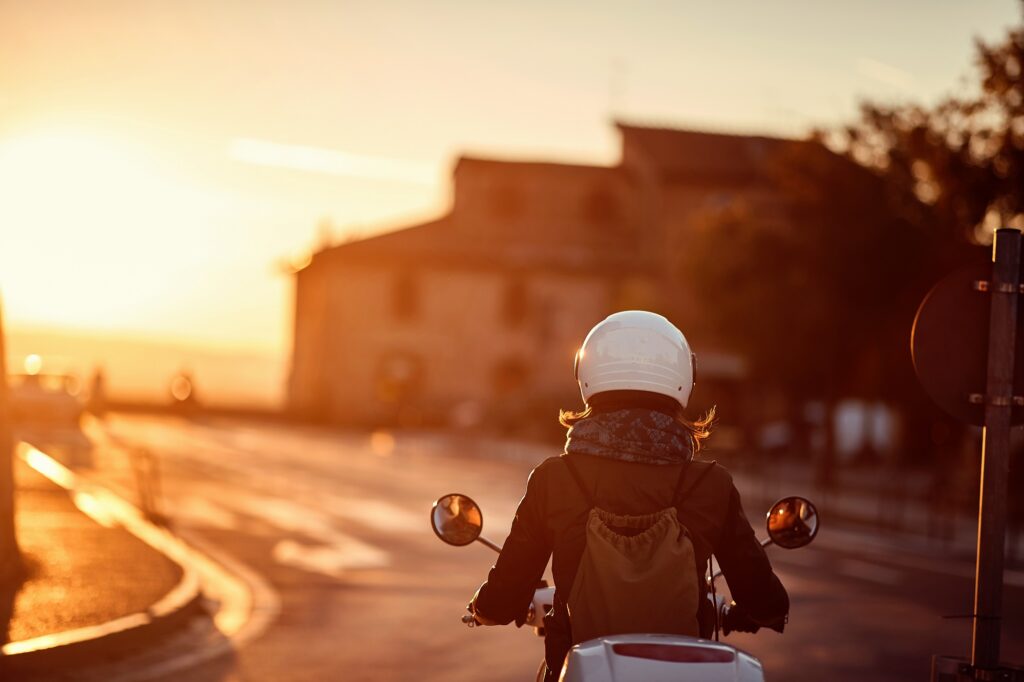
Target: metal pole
9,556
995,450
487,543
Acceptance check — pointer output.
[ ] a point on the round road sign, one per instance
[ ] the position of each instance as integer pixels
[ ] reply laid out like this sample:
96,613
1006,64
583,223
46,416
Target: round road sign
949,344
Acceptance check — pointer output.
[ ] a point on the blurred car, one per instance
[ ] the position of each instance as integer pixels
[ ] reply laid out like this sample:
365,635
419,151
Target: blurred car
45,399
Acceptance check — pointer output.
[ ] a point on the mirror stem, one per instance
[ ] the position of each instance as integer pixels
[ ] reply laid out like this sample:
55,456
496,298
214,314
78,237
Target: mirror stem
766,542
484,541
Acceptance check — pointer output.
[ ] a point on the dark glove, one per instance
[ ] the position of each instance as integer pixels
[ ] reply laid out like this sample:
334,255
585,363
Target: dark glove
478,618
780,625
735,619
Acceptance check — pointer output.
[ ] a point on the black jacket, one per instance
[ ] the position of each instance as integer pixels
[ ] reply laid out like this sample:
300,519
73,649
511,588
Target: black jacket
551,520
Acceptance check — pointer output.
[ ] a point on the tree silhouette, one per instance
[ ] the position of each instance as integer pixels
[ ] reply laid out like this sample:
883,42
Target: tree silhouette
964,158
819,295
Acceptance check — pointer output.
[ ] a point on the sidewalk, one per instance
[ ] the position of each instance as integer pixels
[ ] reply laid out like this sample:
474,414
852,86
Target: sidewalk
892,503
82,570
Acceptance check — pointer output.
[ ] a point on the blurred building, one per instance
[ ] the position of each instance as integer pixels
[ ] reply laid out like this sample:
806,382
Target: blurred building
475,317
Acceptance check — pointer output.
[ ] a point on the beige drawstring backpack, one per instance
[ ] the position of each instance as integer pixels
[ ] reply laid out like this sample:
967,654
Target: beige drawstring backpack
638,574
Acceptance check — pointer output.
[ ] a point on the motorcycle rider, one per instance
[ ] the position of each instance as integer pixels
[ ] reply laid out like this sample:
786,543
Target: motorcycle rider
786,523
629,446
455,522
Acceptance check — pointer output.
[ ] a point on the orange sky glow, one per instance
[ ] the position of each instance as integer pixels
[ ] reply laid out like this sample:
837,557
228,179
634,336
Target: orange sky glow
161,164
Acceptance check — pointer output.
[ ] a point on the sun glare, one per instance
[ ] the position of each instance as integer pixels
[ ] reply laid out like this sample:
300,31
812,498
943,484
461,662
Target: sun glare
317,160
33,363
73,170
85,217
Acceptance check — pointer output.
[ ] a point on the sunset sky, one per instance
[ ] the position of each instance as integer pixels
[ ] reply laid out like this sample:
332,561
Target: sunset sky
161,161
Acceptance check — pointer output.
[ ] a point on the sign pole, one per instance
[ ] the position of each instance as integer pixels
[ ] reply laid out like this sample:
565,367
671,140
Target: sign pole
10,563
965,341
995,450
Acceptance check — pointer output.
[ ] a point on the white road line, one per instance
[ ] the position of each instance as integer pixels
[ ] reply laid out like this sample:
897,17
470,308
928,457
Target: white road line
333,551
332,560
800,557
199,511
849,541
863,570
374,513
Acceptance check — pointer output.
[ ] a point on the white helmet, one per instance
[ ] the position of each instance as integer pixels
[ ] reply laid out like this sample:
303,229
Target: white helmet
636,350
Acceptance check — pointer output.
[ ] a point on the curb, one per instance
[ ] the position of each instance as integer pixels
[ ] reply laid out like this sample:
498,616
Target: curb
248,606
183,601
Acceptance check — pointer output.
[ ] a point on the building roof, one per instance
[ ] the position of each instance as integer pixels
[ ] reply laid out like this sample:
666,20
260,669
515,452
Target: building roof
684,154
441,244
474,163
677,155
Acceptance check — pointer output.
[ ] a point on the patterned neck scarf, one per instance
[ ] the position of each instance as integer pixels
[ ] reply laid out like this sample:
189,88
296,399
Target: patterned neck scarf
631,435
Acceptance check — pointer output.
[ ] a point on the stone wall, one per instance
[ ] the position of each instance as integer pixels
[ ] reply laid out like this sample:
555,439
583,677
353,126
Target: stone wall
383,345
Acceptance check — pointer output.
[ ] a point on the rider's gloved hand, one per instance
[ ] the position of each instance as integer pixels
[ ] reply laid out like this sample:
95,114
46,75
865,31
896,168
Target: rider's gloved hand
735,619
778,626
479,617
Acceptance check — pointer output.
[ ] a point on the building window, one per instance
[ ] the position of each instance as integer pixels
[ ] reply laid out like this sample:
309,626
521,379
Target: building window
545,314
602,207
405,298
507,202
515,306
635,293
510,376
399,377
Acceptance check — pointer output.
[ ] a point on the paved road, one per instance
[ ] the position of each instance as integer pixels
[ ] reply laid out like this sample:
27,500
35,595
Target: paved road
337,525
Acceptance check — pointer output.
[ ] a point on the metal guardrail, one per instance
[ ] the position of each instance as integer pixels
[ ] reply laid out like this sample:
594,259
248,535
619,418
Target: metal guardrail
148,486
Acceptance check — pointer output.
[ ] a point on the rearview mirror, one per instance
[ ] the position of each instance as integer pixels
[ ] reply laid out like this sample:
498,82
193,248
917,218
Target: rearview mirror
792,522
456,519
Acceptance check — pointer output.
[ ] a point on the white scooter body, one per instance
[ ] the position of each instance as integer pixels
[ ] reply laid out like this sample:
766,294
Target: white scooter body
649,657
792,522
659,658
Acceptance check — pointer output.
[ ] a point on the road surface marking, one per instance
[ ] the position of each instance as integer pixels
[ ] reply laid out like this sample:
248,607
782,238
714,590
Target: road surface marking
332,560
935,562
870,572
803,557
331,553
374,513
93,508
199,511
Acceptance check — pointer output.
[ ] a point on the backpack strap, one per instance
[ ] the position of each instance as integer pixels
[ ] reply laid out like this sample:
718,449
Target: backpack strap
579,479
678,496
679,481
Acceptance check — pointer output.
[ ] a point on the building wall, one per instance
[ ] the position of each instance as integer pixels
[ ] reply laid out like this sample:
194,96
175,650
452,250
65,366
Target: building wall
306,384
401,339
549,205
441,345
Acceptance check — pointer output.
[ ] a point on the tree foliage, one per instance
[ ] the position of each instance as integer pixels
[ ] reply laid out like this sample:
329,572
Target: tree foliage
819,291
964,157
